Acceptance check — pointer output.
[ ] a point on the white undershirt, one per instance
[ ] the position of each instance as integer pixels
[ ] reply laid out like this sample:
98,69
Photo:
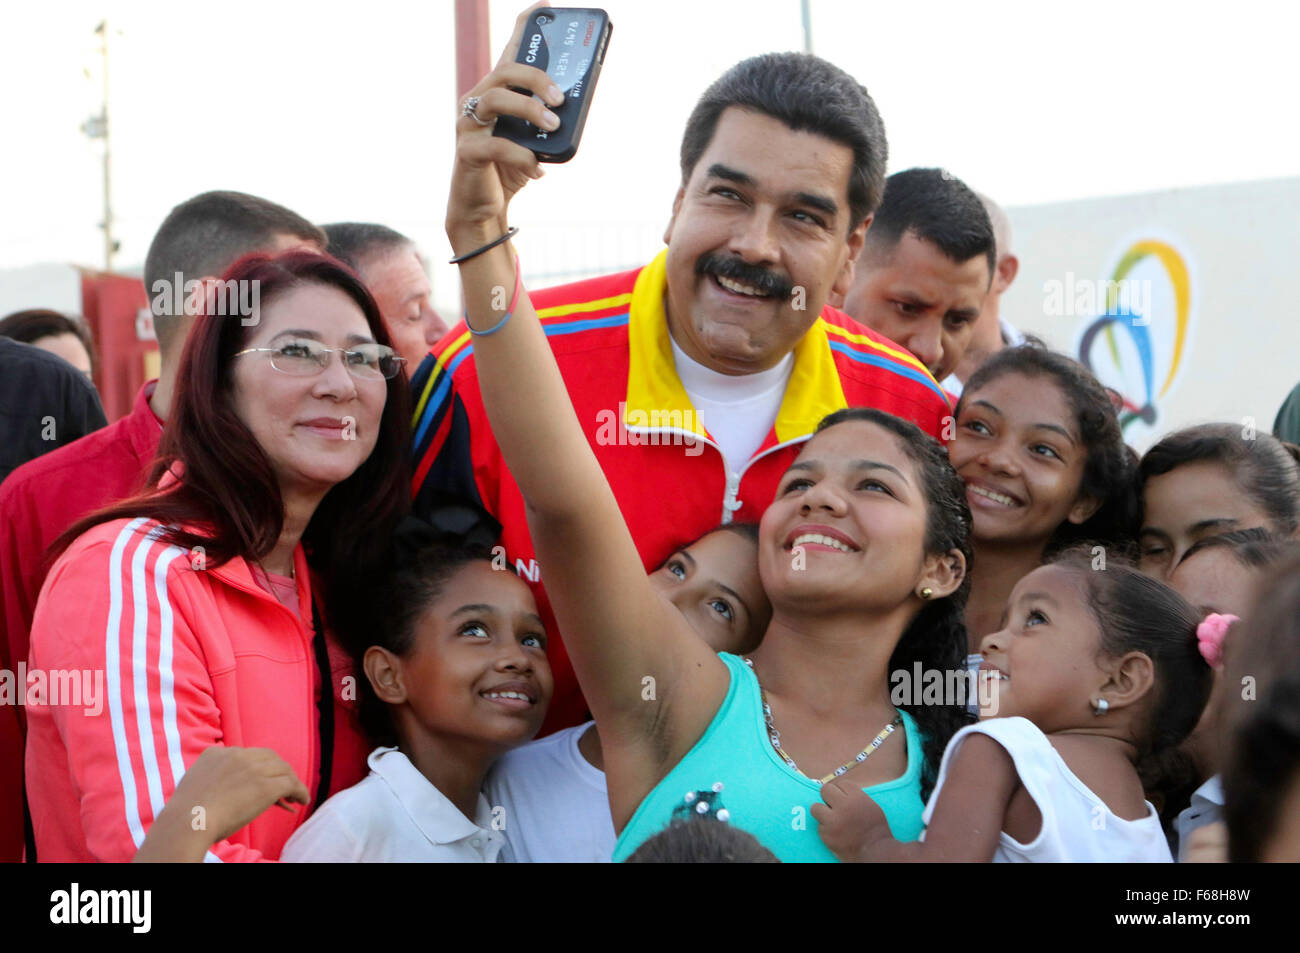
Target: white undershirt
738,410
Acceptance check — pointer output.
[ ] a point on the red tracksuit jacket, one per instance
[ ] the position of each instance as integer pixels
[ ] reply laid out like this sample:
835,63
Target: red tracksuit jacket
147,657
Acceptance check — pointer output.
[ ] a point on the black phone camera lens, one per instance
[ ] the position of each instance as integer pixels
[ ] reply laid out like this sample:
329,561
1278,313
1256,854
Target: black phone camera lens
543,20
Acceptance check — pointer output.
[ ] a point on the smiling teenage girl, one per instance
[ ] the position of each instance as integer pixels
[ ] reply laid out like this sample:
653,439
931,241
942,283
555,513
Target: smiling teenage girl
1040,450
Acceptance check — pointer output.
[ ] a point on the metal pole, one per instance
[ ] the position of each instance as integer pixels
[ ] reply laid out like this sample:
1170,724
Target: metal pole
806,14
473,59
110,247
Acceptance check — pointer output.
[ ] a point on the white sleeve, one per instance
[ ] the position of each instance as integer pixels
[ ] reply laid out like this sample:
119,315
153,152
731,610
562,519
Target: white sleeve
326,838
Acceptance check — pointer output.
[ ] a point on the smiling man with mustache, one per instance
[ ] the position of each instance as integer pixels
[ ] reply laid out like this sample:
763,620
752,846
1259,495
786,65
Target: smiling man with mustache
727,330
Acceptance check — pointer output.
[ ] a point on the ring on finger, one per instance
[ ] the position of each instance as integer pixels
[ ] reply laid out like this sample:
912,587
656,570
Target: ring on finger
468,108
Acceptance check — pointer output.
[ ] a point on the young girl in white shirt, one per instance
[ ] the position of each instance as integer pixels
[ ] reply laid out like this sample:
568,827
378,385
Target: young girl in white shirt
455,677
1092,670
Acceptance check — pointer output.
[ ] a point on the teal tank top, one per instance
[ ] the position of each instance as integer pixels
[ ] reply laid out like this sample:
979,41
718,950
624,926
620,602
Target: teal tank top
764,795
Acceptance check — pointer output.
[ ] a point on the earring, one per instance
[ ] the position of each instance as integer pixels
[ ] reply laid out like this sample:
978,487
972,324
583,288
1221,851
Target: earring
926,592
1100,706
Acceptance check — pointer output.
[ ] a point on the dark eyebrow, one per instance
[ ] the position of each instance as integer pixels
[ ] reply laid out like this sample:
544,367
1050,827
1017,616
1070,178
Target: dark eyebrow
812,200
313,335
475,607
1039,597
855,464
534,618
1153,531
877,465
720,171
1061,430
985,403
1211,523
819,202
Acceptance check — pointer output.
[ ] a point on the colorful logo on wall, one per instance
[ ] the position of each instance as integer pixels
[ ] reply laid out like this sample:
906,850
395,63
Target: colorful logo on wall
1139,340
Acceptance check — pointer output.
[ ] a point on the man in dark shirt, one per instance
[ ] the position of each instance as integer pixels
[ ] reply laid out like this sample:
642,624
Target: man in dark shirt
45,403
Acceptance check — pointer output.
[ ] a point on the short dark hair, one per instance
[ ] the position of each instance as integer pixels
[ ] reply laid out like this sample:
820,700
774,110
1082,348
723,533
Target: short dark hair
704,841
353,242
205,235
1110,469
36,323
808,94
1263,737
1262,466
939,208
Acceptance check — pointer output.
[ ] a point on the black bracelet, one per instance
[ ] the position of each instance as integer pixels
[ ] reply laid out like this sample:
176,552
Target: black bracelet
478,251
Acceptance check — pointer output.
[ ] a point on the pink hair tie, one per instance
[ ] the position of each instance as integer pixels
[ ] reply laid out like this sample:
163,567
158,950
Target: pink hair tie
1209,637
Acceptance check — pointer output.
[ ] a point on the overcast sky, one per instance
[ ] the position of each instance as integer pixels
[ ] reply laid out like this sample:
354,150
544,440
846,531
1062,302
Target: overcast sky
345,110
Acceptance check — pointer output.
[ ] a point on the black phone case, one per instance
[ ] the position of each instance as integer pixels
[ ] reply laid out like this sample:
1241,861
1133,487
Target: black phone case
569,44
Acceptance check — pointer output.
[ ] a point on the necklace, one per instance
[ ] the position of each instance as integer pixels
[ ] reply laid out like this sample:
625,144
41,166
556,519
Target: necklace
775,737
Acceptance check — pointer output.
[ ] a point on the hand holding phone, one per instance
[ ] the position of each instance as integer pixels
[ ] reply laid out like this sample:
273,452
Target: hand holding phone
569,44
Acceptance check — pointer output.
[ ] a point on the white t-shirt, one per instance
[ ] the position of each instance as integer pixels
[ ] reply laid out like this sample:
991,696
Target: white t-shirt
394,815
738,410
1206,807
556,804
1077,825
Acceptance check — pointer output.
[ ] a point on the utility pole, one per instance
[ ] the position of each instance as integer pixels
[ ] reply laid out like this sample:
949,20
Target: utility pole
96,127
806,15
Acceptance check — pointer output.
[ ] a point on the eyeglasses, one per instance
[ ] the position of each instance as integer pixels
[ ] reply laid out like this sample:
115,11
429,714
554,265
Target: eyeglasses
304,358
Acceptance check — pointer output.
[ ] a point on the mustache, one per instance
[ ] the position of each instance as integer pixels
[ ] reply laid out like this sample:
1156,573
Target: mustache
769,283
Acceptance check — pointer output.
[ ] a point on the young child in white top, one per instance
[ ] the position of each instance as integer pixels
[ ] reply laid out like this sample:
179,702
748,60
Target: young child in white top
457,677
552,792
1092,670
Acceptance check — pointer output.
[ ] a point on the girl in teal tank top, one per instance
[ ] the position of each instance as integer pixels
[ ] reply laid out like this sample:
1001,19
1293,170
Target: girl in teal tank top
757,785
862,553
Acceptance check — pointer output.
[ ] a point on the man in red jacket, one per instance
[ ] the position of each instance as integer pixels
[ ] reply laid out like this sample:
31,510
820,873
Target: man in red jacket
200,238
699,375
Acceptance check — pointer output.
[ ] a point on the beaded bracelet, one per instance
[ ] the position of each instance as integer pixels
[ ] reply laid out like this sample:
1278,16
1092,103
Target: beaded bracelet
519,283
461,259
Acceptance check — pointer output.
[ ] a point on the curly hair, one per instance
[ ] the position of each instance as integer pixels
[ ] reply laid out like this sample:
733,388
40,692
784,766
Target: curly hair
1110,468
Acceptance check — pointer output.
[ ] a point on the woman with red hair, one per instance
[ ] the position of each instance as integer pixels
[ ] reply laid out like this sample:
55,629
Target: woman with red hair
191,615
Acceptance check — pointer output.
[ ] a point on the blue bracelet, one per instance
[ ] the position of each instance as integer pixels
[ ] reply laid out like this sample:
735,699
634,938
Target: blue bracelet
514,300
492,330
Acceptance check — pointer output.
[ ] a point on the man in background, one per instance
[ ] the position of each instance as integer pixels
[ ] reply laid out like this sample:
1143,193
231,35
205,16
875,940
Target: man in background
199,239
992,332
45,403
924,272
387,261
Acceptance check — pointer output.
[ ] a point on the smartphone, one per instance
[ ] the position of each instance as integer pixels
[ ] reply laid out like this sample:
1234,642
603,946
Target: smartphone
569,44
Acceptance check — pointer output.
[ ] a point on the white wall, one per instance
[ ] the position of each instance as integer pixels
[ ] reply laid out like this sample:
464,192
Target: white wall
1238,243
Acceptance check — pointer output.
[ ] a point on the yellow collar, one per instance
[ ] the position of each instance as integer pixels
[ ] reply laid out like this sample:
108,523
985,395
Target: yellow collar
655,393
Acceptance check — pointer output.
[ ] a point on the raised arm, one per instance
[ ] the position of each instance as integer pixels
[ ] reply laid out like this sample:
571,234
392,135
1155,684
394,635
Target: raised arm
616,629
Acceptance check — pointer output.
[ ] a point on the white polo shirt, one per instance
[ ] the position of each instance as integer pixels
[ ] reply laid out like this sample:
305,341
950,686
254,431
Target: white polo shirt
394,816
556,804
